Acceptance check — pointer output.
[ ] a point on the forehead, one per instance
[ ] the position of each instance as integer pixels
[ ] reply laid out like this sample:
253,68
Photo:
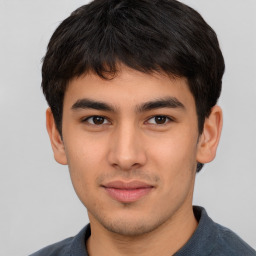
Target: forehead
128,88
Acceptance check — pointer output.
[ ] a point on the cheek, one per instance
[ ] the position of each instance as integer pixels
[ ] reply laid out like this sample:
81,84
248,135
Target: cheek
177,172
84,150
174,149
85,161
174,157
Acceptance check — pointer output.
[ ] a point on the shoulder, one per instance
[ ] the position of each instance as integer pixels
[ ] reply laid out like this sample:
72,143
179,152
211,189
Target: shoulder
60,248
72,246
211,239
229,243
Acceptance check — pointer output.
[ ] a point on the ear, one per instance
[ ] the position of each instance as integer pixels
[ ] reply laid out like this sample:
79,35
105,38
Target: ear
55,138
209,139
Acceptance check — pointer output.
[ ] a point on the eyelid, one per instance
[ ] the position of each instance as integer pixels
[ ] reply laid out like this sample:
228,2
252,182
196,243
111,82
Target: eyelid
85,120
169,119
106,120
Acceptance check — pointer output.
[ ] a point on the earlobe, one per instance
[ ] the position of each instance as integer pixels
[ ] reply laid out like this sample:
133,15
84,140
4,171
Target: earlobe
55,138
209,139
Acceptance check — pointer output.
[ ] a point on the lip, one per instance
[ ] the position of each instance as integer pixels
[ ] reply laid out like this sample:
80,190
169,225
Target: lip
127,192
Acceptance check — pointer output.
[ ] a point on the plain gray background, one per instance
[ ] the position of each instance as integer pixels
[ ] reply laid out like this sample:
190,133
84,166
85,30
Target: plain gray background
38,204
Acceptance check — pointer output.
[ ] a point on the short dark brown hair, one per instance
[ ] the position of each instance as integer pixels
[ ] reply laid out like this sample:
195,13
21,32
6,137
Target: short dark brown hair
146,35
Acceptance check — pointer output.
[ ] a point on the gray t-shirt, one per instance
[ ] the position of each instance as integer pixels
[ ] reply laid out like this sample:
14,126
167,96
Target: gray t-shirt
209,239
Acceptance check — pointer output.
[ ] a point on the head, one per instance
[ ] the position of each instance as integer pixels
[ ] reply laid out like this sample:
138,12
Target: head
111,48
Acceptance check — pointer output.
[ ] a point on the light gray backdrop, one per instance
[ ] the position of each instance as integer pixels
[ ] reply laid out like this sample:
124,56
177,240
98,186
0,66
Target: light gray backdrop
38,204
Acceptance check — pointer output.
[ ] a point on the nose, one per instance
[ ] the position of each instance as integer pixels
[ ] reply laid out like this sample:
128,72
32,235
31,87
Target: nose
127,150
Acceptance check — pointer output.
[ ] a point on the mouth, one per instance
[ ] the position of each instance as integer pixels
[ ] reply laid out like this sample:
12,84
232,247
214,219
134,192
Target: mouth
127,192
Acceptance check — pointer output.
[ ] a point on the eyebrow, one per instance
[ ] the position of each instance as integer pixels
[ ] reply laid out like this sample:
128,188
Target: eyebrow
167,102
88,103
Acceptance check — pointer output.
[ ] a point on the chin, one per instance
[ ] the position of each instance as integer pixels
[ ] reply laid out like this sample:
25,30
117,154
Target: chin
130,227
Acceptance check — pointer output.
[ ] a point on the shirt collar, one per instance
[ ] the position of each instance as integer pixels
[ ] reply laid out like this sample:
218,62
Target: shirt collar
204,232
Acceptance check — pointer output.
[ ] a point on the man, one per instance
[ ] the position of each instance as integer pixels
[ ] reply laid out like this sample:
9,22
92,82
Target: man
132,88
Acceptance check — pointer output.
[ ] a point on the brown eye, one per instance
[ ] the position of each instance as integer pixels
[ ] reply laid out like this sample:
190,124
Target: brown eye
159,120
96,120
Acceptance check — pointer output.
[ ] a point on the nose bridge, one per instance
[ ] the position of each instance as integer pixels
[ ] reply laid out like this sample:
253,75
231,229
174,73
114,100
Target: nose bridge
127,147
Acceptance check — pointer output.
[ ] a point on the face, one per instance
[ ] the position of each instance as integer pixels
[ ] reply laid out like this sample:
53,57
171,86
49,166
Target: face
131,145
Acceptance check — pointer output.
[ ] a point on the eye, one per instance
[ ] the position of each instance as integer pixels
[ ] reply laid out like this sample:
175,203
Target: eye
96,120
160,120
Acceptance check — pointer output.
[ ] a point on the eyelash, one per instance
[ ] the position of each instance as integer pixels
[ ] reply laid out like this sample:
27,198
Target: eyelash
168,119
92,117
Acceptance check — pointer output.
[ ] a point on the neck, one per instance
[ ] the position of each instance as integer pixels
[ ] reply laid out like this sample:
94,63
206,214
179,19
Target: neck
165,240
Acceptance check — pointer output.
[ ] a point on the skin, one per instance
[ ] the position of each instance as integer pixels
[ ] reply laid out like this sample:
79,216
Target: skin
128,144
